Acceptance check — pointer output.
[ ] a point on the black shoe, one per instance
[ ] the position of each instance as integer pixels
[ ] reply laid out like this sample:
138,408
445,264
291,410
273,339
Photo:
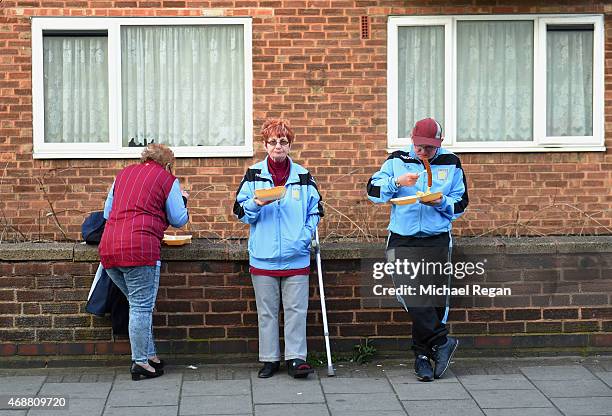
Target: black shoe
268,369
157,366
137,371
423,369
443,354
298,368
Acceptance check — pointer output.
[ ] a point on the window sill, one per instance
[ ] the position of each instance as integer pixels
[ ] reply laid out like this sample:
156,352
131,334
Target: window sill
539,149
134,153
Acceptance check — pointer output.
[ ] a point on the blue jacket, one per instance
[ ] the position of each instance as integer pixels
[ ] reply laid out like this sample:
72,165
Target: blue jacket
280,232
417,219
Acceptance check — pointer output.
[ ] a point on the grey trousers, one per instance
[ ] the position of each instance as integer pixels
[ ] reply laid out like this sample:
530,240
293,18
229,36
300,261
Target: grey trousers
294,292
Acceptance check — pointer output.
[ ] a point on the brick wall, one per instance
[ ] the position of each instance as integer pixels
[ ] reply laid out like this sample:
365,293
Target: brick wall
311,67
561,300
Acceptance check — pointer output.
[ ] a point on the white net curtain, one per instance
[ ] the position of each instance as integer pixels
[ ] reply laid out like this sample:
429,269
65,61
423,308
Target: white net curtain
75,78
494,81
183,85
420,76
569,86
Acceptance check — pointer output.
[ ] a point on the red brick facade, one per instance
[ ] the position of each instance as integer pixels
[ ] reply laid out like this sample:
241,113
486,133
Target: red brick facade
310,66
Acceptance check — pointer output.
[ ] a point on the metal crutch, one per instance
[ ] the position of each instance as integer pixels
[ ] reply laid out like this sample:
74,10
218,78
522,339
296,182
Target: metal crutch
330,367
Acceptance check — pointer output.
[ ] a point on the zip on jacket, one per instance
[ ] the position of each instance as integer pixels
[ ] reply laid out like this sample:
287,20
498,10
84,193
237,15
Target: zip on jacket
418,219
280,232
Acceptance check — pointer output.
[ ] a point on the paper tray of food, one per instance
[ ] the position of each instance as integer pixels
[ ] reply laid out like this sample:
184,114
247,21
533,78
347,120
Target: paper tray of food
420,196
176,240
271,194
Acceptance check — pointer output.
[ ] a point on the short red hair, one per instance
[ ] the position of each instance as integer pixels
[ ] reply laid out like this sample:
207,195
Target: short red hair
277,127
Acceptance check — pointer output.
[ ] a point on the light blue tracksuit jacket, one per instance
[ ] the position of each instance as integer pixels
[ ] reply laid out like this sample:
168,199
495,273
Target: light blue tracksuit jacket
280,232
417,219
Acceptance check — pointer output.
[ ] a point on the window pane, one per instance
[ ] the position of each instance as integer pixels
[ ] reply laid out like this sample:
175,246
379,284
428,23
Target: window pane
420,76
494,81
183,85
75,70
569,81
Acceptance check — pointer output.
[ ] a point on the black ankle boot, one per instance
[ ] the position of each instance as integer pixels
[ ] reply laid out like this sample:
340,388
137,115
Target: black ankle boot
137,371
268,369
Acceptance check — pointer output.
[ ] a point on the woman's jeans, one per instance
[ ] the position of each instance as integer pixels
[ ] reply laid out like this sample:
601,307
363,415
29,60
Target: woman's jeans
139,284
294,292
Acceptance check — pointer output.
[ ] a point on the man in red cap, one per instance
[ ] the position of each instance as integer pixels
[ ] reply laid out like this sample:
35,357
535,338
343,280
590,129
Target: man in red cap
422,231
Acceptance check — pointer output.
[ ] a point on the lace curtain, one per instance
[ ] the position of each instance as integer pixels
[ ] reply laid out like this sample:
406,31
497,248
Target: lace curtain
75,71
420,76
494,81
569,87
183,85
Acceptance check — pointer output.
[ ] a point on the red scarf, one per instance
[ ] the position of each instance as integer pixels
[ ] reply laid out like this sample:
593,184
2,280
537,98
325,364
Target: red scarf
279,171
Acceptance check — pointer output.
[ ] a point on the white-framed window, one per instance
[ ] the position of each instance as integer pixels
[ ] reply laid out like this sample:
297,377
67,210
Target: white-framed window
498,83
106,87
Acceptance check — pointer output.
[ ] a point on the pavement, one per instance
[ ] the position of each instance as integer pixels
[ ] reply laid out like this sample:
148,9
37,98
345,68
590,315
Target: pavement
482,386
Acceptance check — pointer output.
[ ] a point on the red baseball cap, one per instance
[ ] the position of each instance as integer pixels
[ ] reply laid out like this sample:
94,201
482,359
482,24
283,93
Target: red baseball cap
427,132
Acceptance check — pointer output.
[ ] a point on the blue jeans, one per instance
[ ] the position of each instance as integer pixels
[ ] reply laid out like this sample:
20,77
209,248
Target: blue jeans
139,284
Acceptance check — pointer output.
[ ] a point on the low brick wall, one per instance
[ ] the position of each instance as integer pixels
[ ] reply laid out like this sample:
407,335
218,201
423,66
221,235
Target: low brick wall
562,288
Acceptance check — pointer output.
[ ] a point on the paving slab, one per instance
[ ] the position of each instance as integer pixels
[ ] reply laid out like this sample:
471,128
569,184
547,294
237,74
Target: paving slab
283,389
571,388
167,381
605,376
289,409
356,386
216,388
369,413
76,407
428,391
21,385
525,411
496,382
510,398
372,403
215,405
443,408
143,397
77,390
584,406
561,372
142,411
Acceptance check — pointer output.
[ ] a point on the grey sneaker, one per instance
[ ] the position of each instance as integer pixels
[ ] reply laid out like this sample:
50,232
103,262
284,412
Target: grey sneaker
423,369
443,354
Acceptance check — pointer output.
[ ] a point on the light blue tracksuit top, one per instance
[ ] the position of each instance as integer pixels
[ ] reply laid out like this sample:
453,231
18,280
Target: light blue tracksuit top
417,219
280,232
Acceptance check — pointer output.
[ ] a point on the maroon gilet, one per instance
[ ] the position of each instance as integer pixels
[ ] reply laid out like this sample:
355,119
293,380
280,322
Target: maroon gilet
134,230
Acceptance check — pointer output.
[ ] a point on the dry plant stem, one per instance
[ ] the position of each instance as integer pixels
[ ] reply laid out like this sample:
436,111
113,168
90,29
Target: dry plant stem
348,218
52,213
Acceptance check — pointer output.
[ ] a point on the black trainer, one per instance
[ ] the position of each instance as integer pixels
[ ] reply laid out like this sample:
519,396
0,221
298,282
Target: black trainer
298,368
443,354
268,369
423,369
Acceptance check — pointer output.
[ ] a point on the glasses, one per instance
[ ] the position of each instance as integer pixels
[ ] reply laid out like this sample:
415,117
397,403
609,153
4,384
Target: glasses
273,142
425,148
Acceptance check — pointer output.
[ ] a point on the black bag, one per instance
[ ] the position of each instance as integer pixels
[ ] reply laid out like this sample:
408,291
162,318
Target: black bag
104,297
98,294
93,227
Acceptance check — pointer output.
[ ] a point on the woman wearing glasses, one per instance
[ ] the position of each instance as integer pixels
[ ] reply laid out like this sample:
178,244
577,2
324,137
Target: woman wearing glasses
279,247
